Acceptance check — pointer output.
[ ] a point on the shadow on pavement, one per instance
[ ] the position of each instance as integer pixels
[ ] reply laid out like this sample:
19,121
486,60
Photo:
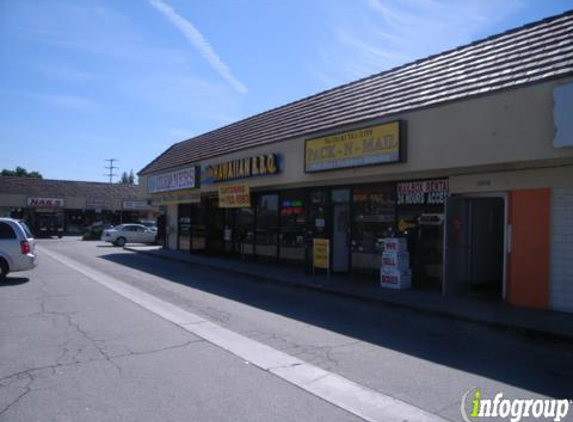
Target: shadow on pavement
14,281
529,363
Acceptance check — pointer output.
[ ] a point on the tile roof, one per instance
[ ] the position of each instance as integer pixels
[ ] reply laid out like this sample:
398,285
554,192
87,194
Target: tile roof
65,188
532,53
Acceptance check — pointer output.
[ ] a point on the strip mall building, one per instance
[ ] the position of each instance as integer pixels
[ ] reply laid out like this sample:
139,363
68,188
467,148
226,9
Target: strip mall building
72,205
468,154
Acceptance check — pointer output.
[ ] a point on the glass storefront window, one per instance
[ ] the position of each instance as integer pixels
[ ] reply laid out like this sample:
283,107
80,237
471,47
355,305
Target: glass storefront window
293,226
340,196
215,221
374,209
266,235
421,221
198,229
245,231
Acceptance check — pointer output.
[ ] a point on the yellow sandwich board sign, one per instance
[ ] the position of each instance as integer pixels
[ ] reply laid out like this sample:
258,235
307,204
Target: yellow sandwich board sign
321,253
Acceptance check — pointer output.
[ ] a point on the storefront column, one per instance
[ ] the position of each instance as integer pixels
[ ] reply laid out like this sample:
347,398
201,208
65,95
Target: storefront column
172,211
528,269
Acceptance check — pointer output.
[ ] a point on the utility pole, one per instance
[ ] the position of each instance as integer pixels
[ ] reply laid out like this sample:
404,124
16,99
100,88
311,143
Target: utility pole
111,168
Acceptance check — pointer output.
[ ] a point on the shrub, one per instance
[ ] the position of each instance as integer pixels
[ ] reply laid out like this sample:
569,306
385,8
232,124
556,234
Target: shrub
92,235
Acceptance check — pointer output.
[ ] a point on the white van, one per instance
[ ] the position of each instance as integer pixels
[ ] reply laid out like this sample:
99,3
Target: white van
17,247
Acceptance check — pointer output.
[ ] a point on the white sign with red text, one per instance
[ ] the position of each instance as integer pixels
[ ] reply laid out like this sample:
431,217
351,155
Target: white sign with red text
423,192
395,272
46,202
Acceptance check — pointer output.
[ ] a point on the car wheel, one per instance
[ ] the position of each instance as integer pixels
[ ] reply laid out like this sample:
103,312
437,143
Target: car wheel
3,270
120,241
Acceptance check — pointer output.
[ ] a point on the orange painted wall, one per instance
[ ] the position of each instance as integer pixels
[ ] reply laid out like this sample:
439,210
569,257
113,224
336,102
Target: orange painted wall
528,269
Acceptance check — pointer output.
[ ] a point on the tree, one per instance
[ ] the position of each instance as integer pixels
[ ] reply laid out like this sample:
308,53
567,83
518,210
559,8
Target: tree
21,172
124,180
127,179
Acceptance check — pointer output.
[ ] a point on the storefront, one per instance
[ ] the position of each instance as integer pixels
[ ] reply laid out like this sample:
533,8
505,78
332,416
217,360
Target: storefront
70,207
280,226
470,168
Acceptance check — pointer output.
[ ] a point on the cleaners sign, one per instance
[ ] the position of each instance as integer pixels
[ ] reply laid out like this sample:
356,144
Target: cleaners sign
174,180
423,192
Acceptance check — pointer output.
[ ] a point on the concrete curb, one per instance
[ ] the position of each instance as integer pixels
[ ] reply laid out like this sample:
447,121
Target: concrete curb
317,287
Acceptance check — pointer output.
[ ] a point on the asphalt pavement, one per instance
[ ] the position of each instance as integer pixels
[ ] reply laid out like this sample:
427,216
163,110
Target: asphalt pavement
72,349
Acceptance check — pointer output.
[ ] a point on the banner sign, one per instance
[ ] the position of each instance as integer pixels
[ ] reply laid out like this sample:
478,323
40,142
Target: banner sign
362,147
97,203
234,196
423,192
259,165
176,198
174,180
46,202
320,253
136,205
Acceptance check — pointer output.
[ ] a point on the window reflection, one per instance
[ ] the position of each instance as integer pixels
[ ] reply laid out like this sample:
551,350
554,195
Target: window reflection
293,226
374,219
267,225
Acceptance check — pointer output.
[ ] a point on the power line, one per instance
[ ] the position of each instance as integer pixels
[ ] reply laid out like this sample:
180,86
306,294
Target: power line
111,168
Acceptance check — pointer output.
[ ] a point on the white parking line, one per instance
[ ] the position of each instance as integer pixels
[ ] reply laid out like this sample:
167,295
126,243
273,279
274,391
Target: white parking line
339,391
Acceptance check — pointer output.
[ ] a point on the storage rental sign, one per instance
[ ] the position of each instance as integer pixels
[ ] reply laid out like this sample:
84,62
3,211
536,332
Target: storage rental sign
423,192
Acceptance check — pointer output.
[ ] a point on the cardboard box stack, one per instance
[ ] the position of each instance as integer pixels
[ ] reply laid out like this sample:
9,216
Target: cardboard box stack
395,272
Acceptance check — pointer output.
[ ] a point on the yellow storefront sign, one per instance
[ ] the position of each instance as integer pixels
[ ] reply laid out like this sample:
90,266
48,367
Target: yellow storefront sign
320,253
234,196
372,145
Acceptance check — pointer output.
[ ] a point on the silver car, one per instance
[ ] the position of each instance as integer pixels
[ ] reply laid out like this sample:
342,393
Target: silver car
129,233
17,247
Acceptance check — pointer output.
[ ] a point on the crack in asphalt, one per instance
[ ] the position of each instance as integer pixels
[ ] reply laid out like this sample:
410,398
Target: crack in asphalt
67,317
26,391
163,349
215,314
322,356
29,376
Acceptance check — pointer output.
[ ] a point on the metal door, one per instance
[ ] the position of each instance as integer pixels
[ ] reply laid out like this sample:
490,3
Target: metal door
457,248
474,245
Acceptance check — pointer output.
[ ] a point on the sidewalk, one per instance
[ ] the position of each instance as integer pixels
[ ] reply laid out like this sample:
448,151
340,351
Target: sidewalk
557,325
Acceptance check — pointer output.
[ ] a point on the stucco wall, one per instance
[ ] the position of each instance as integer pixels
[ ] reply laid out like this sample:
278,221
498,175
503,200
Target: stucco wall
503,181
12,200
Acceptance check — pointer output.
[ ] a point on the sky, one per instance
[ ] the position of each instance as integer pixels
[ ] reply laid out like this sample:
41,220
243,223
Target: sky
83,81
